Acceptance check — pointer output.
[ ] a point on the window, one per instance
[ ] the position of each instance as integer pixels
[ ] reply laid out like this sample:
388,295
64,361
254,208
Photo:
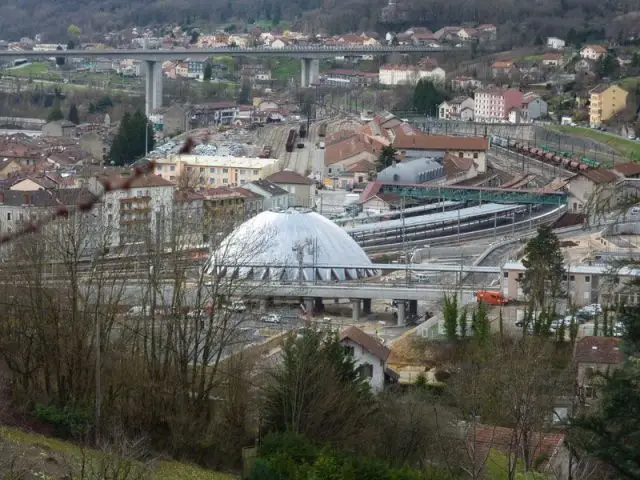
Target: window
506,274
572,278
243,172
348,350
225,170
172,168
201,169
587,279
212,180
366,370
110,219
225,180
475,155
9,216
212,170
460,154
21,216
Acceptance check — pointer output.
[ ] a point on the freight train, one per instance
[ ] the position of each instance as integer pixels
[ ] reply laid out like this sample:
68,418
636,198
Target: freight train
291,140
549,154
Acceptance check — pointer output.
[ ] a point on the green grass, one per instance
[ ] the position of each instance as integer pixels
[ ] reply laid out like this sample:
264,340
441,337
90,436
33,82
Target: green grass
31,70
497,468
630,83
627,148
533,58
286,68
163,470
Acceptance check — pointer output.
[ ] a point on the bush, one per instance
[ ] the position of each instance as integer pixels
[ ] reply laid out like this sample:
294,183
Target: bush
67,422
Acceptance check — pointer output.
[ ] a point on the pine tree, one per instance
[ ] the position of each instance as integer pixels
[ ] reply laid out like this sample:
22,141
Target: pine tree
426,97
595,326
573,331
73,114
207,73
55,114
482,326
450,316
606,328
386,157
462,321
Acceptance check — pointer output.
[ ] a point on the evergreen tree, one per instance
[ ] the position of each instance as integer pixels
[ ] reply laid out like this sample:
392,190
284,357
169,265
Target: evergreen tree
573,330
595,326
73,114
450,316
607,331
207,73
482,326
55,113
244,97
462,321
427,98
386,157
608,66
545,271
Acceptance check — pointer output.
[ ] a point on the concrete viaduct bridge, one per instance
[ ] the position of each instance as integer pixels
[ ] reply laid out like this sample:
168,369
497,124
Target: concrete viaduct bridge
309,57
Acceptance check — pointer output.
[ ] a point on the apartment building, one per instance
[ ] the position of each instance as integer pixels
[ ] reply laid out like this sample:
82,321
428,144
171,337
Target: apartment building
493,104
606,101
460,108
214,170
410,74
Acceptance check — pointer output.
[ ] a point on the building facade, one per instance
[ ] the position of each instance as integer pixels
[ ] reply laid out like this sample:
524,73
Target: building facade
606,101
213,170
410,74
369,355
301,188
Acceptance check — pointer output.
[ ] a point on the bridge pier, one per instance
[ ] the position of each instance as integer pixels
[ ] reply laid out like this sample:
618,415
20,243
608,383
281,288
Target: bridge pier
402,314
309,71
355,310
366,306
153,86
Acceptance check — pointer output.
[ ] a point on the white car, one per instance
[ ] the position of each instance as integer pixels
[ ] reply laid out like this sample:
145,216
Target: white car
594,309
238,307
270,318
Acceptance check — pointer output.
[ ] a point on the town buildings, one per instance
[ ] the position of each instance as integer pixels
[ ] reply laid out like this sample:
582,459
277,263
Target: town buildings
212,170
606,100
301,188
592,52
496,104
555,43
459,108
410,74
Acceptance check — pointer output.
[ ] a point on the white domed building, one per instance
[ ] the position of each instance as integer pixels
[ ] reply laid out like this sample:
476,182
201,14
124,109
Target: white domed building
283,246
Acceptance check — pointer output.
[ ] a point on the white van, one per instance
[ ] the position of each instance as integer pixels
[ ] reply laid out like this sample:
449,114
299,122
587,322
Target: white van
635,211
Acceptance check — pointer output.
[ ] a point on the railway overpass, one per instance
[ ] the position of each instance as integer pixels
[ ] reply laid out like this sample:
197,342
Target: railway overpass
309,56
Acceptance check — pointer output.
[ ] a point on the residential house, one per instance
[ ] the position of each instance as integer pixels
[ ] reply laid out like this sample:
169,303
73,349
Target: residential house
253,202
348,150
606,101
584,186
182,70
195,68
502,67
494,104
214,113
215,170
593,358
459,108
279,43
412,171
8,167
410,74
223,209
467,34
447,34
275,198
95,145
301,188
341,76
59,128
592,52
169,69
412,143
135,214
369,355
533,106
18,207
175,120
552,59
555,43
357,174
487,32
465,83
188,217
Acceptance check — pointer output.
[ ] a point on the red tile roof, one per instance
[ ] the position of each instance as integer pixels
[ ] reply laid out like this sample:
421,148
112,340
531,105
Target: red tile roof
361,166
629,169
598,350
600,176
117,181
366,341
289,177
408,138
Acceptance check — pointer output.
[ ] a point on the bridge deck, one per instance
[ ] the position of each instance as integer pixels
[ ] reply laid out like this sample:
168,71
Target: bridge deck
475,194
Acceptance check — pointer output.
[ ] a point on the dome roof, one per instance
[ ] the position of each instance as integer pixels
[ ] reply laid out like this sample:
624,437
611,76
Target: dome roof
271,245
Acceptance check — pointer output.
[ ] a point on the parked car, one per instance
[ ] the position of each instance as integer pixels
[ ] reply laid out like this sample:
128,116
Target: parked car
237,306
139,310
594,309
270,318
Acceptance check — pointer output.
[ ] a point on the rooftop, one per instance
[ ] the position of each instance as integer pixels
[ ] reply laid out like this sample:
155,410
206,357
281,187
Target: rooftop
366,341
289,177
269,187
600,176
598,350
408,138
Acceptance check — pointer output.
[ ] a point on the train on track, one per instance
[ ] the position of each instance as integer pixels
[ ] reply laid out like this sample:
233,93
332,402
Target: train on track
291,140
545,153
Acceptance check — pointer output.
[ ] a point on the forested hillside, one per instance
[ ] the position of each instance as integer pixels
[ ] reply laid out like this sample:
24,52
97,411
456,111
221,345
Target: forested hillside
519,22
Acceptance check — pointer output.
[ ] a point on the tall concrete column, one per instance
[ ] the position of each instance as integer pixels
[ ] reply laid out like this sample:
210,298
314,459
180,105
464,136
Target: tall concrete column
305,66
319,305
402,318
413,307
355,309
153,86
263,305
366,306
308,306
314,71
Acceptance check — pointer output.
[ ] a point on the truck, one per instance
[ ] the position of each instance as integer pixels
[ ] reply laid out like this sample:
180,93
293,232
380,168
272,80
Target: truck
491,298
